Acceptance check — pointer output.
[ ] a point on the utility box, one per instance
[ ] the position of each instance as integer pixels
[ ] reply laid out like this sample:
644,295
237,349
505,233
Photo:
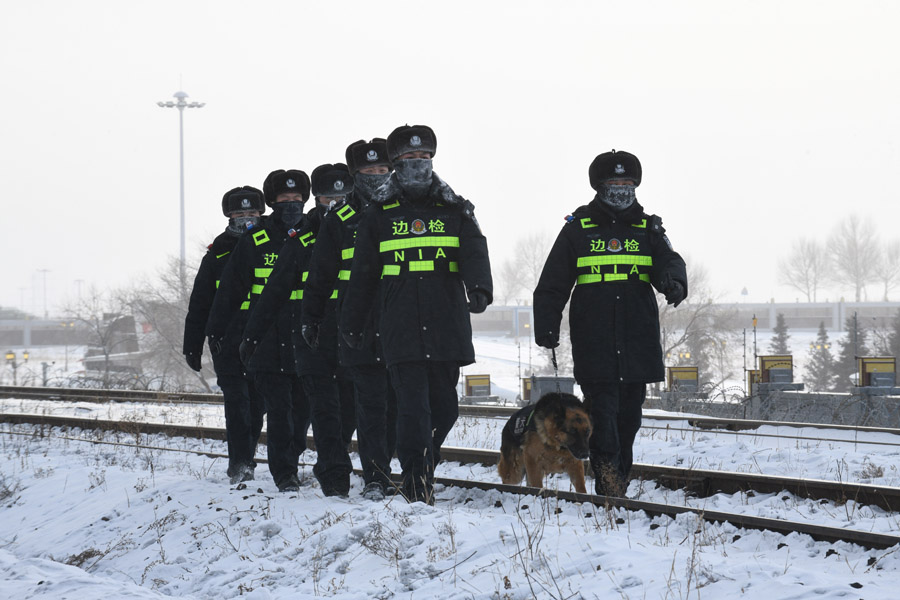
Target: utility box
777,368
876,371
478,385
776,373
752,381
547,385
526,390
682,379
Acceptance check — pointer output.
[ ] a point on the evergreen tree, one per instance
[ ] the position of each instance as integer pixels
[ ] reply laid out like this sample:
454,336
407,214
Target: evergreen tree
779,343
698,350
820,372
852,345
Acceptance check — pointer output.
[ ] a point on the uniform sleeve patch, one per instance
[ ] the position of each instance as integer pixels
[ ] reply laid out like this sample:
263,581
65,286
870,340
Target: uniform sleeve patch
668,243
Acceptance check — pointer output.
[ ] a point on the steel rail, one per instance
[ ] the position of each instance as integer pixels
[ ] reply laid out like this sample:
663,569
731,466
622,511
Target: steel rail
817,532
470,410
700,482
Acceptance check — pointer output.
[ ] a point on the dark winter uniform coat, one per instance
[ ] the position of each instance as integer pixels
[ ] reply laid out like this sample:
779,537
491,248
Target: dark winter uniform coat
275,318
420,259
242,284
613,261
329,274
202,296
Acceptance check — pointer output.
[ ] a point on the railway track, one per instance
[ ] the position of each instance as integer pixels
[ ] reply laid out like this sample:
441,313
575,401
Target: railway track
743,427
703,483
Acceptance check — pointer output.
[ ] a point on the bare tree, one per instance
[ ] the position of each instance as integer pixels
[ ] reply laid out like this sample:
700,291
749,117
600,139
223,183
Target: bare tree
887,268
161,306
519,275
854,247
508,283
103,314
805,267
700,332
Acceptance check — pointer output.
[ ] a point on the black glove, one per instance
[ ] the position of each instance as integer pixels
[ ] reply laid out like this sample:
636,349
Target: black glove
547,340
215,345
246,350
478,301
193,360
310,335
672,290
354,340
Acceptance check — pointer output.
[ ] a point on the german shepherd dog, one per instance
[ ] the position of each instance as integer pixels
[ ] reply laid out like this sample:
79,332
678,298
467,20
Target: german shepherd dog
548,437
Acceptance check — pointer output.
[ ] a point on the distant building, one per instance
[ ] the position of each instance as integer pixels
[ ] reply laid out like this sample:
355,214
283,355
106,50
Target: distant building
799,316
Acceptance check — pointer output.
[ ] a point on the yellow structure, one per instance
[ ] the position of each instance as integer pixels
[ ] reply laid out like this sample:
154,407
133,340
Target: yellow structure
478,385
776,368
682,379
526,390
876,371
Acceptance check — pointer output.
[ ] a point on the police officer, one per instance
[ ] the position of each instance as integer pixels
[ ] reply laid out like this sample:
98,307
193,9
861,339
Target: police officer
243,406
331,262
421,257
281,304
614,254
274,367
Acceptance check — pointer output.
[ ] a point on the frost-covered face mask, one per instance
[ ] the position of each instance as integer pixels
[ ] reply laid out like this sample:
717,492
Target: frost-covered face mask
367,183
289,213
414,175
238,225
617,197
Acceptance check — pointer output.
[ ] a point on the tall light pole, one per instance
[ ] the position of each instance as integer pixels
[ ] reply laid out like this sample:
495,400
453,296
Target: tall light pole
181,103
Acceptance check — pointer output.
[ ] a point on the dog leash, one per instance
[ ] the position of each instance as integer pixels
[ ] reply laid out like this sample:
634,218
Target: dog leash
555,368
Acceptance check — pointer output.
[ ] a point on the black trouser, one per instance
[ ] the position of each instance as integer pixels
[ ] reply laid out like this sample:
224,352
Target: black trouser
616,415
427,408
372,393
391,437
332,459
348,406
287,421
244,410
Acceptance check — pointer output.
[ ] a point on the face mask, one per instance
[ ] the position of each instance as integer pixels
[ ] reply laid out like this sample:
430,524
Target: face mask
366,184
238,225
414,175
617,197
289,213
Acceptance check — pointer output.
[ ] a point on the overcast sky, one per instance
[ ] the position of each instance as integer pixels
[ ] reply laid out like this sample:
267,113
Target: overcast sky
756,122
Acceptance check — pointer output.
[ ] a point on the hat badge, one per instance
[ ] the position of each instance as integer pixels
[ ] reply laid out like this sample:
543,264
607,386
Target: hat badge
338,185
415,141
290,183
620,170
245,203
371,156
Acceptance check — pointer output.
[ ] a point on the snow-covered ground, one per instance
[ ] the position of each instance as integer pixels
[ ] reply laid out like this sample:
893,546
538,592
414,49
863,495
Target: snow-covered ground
82,520
90,521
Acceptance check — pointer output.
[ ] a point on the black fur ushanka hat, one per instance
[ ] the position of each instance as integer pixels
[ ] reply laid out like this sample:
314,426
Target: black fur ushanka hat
411,138
331,180
614,165
243,198
362,154
291,181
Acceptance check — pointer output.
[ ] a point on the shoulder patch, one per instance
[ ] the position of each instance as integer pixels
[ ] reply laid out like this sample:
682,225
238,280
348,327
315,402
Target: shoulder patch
260,237
569,218
308,238
345,212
